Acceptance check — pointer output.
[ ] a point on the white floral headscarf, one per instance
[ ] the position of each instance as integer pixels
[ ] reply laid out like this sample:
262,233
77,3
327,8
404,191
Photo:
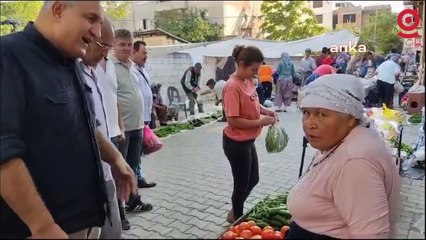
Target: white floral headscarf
338,92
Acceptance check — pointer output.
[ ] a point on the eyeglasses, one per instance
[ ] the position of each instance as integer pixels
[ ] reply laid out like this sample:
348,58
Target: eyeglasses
103,46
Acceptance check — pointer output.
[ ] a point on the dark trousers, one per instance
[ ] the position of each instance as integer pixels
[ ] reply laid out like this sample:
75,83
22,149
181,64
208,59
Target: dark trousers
116,142
386,91
131,150
297,232
245,170
267,88
132,147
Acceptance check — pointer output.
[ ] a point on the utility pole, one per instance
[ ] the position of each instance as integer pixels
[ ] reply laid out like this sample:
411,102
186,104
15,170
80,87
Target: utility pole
375,27
133,13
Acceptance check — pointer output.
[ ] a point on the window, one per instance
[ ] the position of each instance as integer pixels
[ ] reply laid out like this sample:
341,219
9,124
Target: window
316,4
349,18
319,18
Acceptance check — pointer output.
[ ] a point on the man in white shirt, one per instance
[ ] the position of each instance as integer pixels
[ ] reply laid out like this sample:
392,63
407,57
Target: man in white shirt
94,54
217,87
108,86
139,59
387,74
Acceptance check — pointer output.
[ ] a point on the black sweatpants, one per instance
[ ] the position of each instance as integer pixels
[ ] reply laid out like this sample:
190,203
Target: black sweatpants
386,91
267,88
245,170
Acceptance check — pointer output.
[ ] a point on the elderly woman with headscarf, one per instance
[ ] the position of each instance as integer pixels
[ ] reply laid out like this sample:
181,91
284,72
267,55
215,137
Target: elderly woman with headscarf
352,187
284,85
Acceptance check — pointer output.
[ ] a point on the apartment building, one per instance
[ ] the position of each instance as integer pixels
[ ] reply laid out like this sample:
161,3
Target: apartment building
239,18
323,11
417,43
348,15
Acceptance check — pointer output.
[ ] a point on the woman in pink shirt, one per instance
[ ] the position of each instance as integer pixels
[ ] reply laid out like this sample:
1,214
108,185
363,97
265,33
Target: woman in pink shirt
243,113
352,187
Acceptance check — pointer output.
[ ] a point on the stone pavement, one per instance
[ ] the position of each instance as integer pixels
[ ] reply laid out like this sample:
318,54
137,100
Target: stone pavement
194,179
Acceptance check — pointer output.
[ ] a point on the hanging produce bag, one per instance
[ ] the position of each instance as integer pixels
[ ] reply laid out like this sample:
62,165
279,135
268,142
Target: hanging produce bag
276,139
151,143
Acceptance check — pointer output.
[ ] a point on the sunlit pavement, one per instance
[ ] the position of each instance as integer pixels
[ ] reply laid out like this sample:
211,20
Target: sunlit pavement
194,179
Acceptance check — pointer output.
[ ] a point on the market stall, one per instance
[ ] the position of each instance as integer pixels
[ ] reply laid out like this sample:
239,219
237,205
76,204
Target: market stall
268,219
390,124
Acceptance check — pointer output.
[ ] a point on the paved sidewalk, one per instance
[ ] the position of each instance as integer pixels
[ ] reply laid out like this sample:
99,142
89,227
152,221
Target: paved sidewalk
194,179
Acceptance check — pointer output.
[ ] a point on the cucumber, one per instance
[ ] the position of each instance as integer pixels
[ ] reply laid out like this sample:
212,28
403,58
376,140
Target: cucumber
261,224
280,219
273,211
284,214
287,222
274,223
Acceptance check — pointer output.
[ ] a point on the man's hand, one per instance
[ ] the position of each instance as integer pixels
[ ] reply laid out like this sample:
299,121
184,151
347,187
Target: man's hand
52,231
122,137
124,178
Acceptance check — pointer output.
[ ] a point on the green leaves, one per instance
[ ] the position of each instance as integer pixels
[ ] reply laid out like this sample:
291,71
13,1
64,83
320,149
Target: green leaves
25,11
290,21
20,11
190,25
116,9
386,32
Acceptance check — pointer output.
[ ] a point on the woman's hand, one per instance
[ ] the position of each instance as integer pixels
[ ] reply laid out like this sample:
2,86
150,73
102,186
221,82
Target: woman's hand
267,120
270,113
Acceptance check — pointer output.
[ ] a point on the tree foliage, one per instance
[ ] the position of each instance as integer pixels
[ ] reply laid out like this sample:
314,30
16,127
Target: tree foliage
386,33
352,28
116,9
20,11
289,21
24,11
191,25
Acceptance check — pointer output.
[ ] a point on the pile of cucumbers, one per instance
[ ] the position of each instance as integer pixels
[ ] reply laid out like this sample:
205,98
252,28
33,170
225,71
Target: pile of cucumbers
272,211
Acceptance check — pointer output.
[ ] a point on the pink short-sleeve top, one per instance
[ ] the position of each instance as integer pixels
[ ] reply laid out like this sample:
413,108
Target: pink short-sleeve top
353,193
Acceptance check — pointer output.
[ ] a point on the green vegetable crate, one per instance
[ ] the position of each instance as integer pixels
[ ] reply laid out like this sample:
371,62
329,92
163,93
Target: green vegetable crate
271,211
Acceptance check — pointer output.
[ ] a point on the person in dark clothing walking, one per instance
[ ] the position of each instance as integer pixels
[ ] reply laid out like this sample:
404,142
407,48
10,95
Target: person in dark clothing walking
243,112
191,85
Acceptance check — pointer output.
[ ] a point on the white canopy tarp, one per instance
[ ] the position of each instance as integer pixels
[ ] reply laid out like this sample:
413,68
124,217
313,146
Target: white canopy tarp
273,49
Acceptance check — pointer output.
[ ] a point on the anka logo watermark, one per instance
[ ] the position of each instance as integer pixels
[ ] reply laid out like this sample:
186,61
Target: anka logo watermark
348,48
408,21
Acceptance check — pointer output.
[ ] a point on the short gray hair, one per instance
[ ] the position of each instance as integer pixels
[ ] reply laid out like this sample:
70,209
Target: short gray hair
122,33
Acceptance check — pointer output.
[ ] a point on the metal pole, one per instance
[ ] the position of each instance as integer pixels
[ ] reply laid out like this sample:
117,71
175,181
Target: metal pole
302,161
375,27
134,21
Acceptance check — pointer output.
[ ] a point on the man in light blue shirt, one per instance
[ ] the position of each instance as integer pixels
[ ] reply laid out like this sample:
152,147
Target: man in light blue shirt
387,74
139,58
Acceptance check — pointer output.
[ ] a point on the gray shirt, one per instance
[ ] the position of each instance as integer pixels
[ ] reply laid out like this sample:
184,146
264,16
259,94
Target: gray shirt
129,95
308,64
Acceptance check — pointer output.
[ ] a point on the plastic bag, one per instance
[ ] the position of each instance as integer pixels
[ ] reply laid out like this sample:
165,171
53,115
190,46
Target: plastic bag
276,139
398,87
151,143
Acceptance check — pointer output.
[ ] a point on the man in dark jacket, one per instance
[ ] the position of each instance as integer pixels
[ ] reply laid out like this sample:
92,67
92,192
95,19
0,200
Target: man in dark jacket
52,184
191,85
